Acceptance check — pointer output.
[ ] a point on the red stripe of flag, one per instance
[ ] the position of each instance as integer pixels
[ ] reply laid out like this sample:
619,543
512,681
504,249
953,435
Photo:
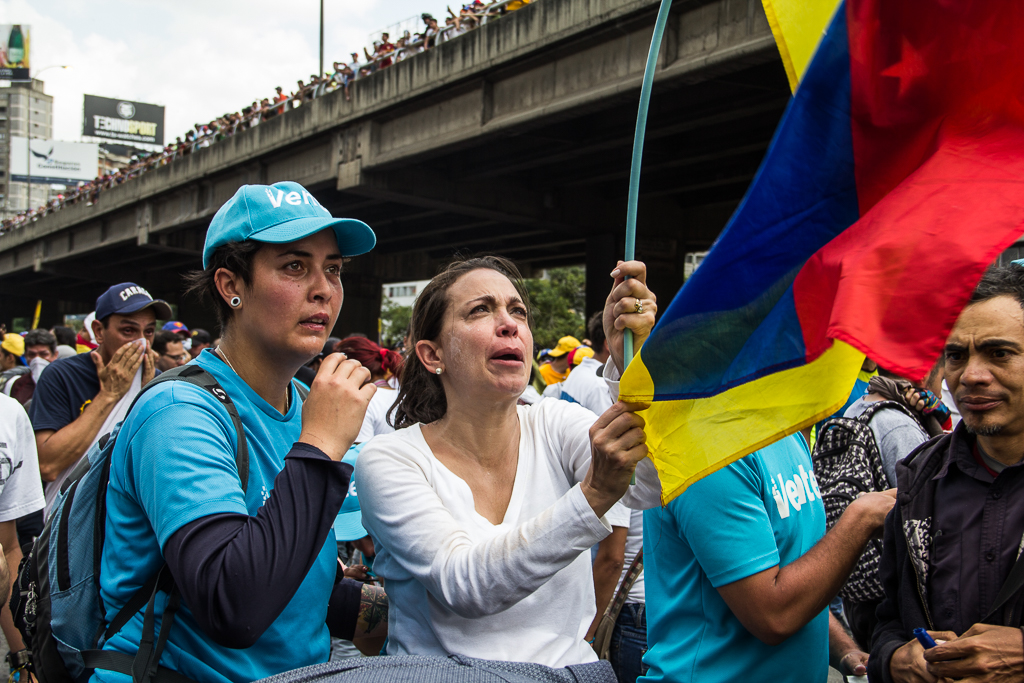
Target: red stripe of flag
938,141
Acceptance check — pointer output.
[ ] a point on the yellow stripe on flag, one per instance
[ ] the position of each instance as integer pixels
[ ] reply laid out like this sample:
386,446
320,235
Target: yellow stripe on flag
690,439
798,26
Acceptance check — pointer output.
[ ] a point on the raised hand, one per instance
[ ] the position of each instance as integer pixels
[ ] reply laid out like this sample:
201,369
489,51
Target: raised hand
617,444
117,375
333,412
871,509
149,366
621,308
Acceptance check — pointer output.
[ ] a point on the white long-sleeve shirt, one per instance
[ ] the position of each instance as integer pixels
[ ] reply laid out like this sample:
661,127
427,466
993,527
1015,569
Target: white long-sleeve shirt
521,590
375,421
584,386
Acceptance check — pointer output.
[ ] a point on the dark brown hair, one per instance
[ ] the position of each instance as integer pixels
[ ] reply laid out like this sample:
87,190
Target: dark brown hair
1005,280
237,257
421,397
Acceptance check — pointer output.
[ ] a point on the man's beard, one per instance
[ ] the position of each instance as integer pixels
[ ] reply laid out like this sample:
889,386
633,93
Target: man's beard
990,430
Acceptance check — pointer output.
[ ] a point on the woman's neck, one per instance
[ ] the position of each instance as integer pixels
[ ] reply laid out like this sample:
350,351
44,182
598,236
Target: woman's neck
254,365
485,431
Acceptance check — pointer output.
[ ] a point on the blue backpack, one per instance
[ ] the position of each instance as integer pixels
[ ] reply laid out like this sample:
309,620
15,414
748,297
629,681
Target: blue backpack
56,602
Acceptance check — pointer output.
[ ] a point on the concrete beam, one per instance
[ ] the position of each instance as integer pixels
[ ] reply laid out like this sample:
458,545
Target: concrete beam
418,186
705,40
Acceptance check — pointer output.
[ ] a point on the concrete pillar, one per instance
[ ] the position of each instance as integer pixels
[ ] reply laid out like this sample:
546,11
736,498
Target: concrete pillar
601,257
360,311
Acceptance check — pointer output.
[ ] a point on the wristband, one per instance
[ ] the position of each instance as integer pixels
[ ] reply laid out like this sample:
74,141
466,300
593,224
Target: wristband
19,659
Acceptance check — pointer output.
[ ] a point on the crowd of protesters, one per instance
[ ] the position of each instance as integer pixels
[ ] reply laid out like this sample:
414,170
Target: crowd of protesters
495,522
383,54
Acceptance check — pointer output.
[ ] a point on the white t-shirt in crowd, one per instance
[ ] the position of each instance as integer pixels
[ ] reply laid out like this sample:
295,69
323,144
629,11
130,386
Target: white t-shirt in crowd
947,400
584,386
530,395
634,543
522,590
21,490
375,421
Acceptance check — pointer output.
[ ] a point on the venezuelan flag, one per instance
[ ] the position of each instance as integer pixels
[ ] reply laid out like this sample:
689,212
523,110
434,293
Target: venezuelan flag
895,178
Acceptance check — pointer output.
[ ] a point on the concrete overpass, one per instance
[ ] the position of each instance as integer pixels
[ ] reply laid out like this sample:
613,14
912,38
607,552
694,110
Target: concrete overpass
514,139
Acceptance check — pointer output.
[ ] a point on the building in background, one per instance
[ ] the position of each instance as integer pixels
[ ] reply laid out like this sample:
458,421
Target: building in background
55,163
404,293
25,111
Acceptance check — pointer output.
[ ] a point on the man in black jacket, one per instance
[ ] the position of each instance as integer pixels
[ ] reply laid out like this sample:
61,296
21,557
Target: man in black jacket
945,567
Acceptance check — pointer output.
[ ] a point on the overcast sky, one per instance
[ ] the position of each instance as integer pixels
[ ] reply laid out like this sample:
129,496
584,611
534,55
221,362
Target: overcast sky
200,59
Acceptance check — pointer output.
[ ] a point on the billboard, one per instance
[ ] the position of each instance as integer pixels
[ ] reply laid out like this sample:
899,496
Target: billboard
14,49
123,120
53,162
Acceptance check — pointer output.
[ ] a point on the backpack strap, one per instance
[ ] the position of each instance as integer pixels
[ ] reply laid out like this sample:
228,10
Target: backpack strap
144,667
879,406
109,660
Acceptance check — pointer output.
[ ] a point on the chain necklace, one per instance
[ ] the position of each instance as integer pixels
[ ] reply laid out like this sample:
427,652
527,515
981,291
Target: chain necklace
287,395
220,352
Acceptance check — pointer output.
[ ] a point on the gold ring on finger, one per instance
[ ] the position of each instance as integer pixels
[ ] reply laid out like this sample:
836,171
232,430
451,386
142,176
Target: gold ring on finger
638,307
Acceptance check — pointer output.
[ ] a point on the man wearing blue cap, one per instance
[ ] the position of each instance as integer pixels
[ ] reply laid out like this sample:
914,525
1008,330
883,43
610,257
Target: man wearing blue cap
78,399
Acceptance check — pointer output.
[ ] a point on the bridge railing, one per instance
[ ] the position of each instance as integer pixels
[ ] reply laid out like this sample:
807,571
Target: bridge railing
90,192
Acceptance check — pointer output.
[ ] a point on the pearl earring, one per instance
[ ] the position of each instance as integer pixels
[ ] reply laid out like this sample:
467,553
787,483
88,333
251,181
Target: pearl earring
235,302
437,370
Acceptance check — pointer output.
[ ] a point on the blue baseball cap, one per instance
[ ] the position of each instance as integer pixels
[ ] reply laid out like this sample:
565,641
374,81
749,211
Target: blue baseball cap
348,525
281,213
127,298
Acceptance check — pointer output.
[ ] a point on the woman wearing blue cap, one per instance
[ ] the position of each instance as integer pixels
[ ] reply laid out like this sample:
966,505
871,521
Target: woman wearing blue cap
256,565
483,511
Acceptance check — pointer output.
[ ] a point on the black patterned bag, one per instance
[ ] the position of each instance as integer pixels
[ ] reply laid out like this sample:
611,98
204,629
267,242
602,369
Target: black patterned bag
847,462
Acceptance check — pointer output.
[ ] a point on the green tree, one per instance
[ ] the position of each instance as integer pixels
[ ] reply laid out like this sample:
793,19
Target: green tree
394,322
558,304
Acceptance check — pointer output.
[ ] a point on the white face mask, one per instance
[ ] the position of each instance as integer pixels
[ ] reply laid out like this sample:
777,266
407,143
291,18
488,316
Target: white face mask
36,366
187,344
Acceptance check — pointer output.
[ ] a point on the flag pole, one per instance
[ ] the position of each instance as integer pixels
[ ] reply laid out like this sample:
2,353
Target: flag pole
638,151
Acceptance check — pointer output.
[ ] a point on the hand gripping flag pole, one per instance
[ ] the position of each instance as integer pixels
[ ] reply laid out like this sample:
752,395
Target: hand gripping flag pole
638,153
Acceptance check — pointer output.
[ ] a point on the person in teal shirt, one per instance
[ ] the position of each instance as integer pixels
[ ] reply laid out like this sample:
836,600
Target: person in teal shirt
251,552
739,571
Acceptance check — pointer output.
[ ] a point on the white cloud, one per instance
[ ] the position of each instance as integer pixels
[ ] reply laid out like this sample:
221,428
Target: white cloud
198,59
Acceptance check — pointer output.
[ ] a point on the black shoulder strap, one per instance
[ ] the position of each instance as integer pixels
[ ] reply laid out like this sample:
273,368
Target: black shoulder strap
144,666
878,406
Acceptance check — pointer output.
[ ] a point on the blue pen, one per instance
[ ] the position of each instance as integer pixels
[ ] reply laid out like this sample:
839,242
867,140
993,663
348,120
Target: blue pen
922,637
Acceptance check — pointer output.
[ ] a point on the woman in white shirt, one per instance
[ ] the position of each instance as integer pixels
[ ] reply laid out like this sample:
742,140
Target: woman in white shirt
385,366
483,512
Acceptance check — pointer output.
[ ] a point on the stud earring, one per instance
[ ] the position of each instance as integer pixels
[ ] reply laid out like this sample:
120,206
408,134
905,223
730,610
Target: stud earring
438,370
235,302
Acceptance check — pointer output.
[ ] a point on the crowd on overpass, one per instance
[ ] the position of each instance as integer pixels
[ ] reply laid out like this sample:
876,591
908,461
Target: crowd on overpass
383,54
